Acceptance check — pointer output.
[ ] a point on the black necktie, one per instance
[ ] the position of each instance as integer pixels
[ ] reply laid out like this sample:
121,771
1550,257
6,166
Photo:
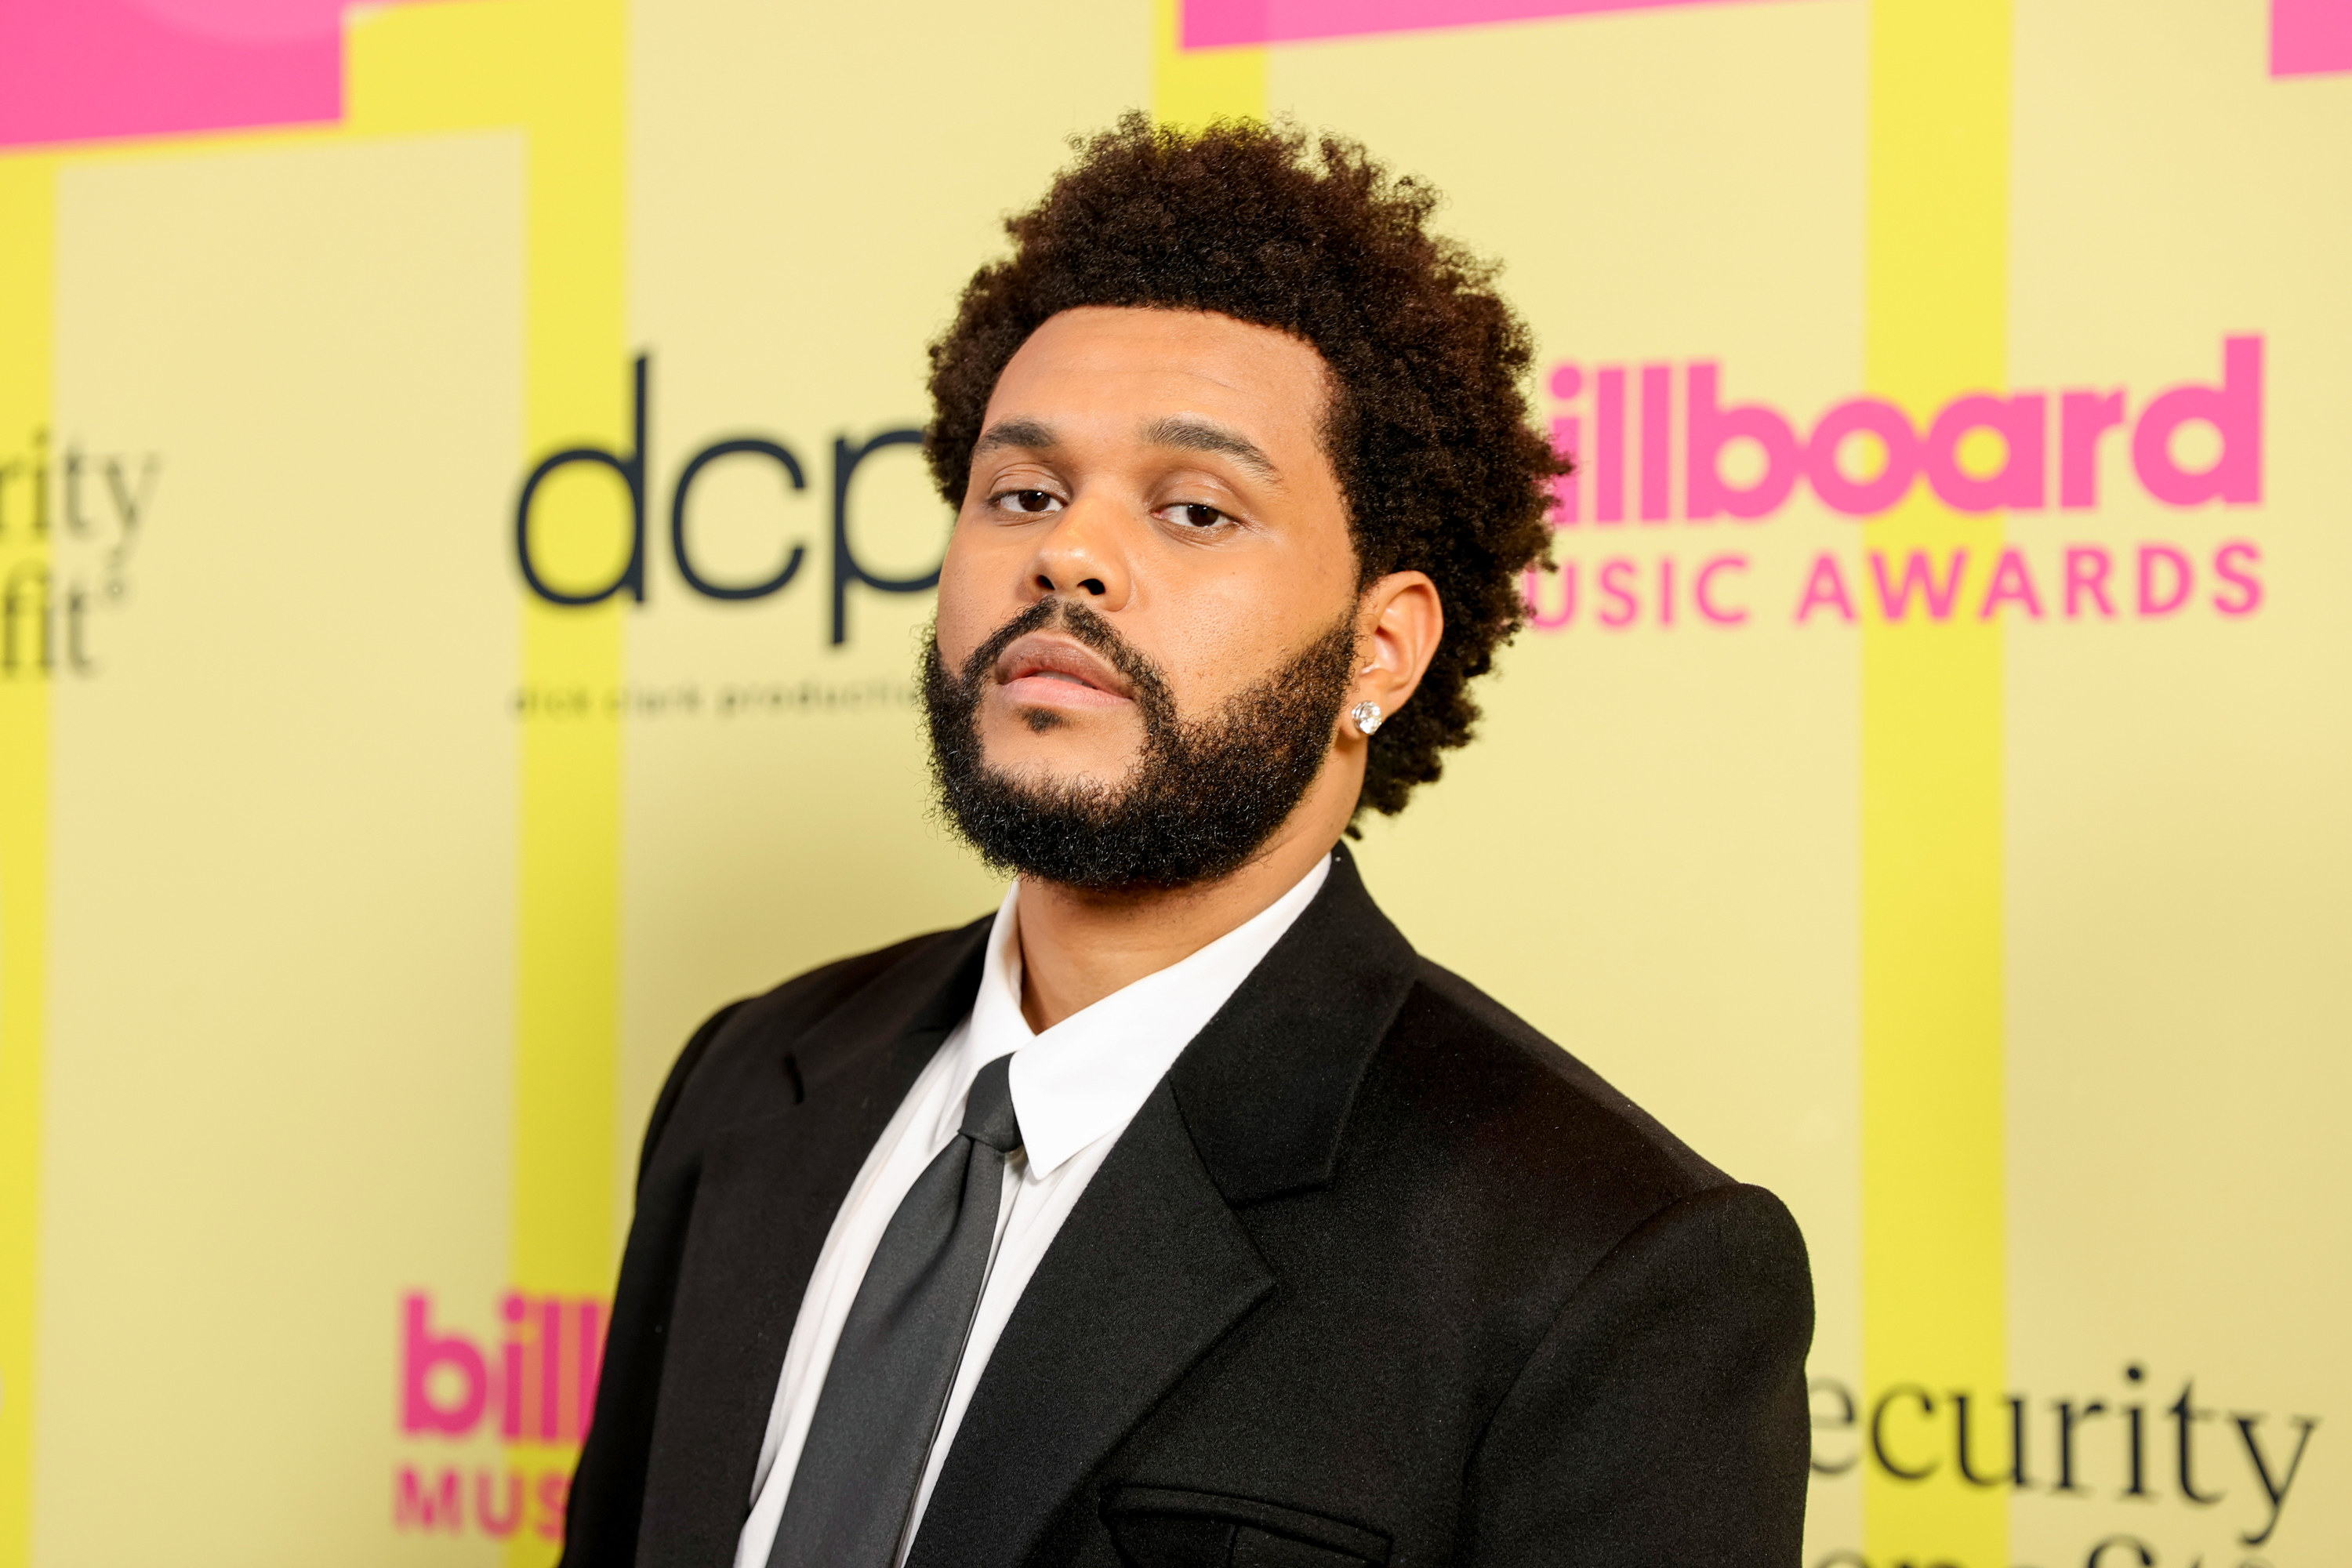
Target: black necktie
888,1384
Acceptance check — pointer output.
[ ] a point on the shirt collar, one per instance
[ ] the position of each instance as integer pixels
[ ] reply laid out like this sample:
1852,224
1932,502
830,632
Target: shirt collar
1090,1073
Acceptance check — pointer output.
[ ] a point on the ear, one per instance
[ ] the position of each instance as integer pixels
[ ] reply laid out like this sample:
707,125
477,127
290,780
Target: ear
1400,623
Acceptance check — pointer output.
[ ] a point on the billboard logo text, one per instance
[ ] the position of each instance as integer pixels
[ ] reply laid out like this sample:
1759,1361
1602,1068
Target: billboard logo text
537,1384
1982,452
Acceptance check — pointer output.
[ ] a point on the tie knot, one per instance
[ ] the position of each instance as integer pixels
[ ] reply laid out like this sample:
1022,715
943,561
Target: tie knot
988,1109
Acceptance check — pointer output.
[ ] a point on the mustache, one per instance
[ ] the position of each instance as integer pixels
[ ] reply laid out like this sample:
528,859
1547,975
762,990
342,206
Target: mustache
1083,625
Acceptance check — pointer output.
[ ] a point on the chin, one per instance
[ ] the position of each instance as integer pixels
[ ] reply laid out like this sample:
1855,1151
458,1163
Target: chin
1050,771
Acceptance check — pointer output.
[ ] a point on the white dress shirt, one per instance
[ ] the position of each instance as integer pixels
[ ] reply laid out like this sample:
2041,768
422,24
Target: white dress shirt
1074,1089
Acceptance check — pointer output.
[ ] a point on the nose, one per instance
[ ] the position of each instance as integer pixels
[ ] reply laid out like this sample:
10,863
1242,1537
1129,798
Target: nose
1085,554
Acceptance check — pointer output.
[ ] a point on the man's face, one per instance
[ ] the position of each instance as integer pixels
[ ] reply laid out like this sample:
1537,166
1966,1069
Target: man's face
1153,520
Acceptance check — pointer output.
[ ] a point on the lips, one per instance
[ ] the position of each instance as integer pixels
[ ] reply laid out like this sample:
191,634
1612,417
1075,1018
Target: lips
1040,671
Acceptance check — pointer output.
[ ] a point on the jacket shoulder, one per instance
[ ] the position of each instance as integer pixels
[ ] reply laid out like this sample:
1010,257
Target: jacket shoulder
1509,1046
1510,1128
747,1045
793,1009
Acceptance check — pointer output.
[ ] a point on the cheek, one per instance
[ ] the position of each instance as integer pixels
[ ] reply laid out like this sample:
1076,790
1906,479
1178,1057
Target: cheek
968,604
1234,633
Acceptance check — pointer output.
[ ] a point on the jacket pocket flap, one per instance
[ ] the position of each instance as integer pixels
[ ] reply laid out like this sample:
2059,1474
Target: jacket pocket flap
1164,1525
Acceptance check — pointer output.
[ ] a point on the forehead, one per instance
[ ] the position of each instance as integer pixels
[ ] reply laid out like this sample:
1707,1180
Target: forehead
1115,363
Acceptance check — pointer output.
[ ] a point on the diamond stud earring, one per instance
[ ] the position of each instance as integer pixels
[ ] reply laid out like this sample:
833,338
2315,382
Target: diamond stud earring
1366,715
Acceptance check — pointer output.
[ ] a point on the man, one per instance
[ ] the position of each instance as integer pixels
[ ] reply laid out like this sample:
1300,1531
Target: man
1178,1213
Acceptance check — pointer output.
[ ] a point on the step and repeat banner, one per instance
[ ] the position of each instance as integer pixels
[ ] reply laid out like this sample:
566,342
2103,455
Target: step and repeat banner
463,551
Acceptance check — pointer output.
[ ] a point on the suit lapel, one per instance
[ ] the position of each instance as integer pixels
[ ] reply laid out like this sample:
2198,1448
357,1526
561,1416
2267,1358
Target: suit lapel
764,1201
1266,1086
1150,1270
1152,1267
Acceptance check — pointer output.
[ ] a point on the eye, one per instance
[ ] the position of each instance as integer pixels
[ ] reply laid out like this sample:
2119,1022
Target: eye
1195,514
1030,503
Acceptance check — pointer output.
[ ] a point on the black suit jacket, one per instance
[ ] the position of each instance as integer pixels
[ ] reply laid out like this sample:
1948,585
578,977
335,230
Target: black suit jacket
1377,1274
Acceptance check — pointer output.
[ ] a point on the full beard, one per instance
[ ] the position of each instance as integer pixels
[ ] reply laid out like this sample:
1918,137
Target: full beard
1204,795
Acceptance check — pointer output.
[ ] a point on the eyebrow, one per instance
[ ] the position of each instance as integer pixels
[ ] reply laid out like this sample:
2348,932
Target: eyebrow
1184,433
1017,431
1191,434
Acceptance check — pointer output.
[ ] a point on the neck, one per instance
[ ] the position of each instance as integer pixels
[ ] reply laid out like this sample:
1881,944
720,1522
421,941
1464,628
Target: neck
1078,947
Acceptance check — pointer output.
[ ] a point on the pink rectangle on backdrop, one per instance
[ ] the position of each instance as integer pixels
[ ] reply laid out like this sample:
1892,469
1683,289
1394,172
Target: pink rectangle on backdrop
78,71
2310,37
1211,24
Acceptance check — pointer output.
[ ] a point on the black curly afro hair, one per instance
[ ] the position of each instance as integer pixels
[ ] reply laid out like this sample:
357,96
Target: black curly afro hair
1428,429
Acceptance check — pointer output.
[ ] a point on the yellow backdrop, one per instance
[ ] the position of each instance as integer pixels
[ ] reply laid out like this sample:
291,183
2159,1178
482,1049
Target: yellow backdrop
1924,786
